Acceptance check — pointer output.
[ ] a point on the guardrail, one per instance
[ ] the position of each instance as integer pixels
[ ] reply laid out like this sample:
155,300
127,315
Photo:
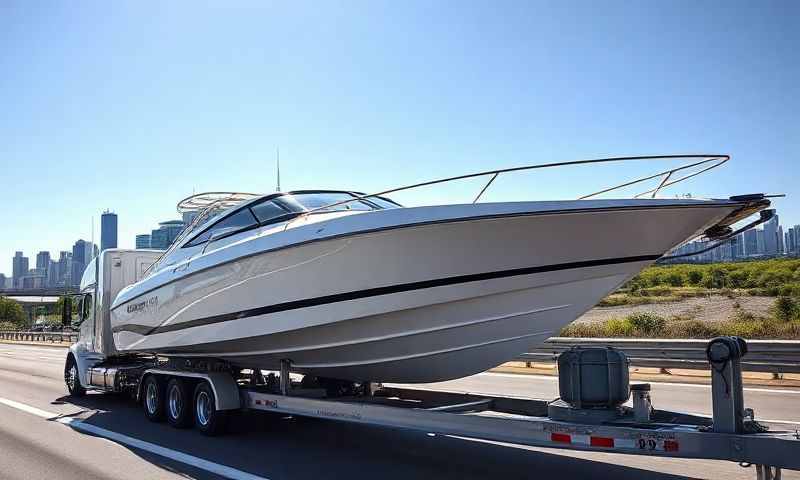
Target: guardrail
772,356
51,337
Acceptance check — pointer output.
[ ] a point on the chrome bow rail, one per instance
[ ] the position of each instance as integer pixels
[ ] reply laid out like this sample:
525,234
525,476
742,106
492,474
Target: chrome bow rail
703,162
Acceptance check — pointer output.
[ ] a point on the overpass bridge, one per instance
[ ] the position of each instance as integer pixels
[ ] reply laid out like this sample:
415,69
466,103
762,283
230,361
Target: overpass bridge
38,292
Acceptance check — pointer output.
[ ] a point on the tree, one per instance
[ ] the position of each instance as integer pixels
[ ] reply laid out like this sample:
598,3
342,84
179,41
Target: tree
11,312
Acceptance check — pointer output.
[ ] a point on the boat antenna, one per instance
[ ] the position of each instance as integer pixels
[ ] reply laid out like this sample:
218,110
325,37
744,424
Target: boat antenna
278,164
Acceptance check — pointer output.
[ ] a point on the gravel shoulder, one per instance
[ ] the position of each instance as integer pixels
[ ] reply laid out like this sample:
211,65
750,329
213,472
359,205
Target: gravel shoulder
715,308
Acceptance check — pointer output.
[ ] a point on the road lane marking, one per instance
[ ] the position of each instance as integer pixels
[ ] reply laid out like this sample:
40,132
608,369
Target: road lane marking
521,376
28,409
185,458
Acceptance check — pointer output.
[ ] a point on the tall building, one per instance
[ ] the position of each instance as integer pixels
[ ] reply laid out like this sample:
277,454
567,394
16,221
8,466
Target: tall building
64,268
165,234
779,235
82,253
760,247
751,242
2,281
108,230
771,236
43,264
42,259
52,274
19,269
143,240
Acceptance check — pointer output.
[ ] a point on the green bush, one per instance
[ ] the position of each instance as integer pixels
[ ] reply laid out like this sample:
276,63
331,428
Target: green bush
11,312
8,326
647,323
785,309
695,277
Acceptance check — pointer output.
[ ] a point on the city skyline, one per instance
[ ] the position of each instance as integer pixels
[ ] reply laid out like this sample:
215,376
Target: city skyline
499,87
768,240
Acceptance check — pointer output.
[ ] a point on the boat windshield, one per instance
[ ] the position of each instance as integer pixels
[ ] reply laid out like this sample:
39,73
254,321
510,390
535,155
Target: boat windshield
311,201
277,208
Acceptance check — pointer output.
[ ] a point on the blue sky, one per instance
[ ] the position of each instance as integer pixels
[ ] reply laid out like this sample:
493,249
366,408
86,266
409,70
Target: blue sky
134,105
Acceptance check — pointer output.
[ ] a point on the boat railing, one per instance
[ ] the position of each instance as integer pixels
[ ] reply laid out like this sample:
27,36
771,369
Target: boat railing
702,163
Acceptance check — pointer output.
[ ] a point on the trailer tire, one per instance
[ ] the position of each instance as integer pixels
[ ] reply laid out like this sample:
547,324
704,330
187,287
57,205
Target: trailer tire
178,408
207,418
153,398
72,378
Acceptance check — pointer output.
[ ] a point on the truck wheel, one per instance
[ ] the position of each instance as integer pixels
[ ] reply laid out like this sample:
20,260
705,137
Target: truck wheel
153,401
207,418
179,403
72,379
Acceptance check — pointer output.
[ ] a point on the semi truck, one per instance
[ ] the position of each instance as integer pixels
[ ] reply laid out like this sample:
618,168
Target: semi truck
205,392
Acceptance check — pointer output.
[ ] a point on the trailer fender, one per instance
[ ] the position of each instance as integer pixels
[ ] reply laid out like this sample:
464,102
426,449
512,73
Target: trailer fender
226,391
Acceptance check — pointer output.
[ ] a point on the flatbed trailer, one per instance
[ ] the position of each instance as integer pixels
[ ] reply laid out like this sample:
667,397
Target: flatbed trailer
205,392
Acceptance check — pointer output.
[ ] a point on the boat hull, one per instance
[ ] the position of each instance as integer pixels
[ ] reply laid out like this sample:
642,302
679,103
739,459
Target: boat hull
425,302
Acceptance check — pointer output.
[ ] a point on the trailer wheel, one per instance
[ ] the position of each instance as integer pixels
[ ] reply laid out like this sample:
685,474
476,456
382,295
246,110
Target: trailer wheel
72,379
179,403
207,418
153,401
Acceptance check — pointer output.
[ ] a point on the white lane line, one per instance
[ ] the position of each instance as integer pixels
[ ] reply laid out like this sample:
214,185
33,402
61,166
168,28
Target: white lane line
521,376
82,426
27,408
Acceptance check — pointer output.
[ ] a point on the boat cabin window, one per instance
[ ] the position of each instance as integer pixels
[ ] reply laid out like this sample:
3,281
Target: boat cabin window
266,211
317,200
280,207
240,220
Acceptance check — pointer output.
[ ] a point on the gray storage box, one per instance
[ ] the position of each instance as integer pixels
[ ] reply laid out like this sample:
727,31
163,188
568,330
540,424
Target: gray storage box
593,377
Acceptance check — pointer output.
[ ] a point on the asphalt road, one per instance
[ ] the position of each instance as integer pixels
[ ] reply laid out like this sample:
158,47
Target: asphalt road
44,434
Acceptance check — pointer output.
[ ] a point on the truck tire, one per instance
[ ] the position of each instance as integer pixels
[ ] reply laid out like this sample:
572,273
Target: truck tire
207,418
179,404
153,398
72,379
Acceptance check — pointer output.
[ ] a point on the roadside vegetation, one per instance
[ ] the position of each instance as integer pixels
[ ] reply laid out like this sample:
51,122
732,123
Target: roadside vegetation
779,278
672,283
783,322
12,316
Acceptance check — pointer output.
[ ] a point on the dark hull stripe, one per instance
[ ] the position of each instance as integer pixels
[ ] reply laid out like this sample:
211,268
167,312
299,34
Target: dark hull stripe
374,292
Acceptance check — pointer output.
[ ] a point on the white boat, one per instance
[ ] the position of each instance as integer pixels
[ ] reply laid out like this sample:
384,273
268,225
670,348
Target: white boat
356,287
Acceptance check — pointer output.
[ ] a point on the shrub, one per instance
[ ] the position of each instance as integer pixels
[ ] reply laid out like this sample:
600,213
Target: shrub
8,326
695,277
11,312
785,309
675,279
619,327
647,323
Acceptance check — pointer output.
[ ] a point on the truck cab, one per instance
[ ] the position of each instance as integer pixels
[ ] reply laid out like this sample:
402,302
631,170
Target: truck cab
104,277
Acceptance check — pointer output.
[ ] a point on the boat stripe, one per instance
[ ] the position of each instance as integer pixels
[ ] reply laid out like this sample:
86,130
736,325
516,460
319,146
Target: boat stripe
374,292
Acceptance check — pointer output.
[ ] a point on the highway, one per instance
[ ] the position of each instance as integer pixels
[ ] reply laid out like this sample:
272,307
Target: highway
45,435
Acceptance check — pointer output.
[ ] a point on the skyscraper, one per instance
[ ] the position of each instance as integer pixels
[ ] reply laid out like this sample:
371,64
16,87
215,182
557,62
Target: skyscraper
771,236
64,268
82,254
751,242
42,259
19,269
165,234
52,274
43,264
143,240
108,230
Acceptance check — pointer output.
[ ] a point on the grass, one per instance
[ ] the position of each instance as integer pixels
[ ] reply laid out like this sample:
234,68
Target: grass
783,322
